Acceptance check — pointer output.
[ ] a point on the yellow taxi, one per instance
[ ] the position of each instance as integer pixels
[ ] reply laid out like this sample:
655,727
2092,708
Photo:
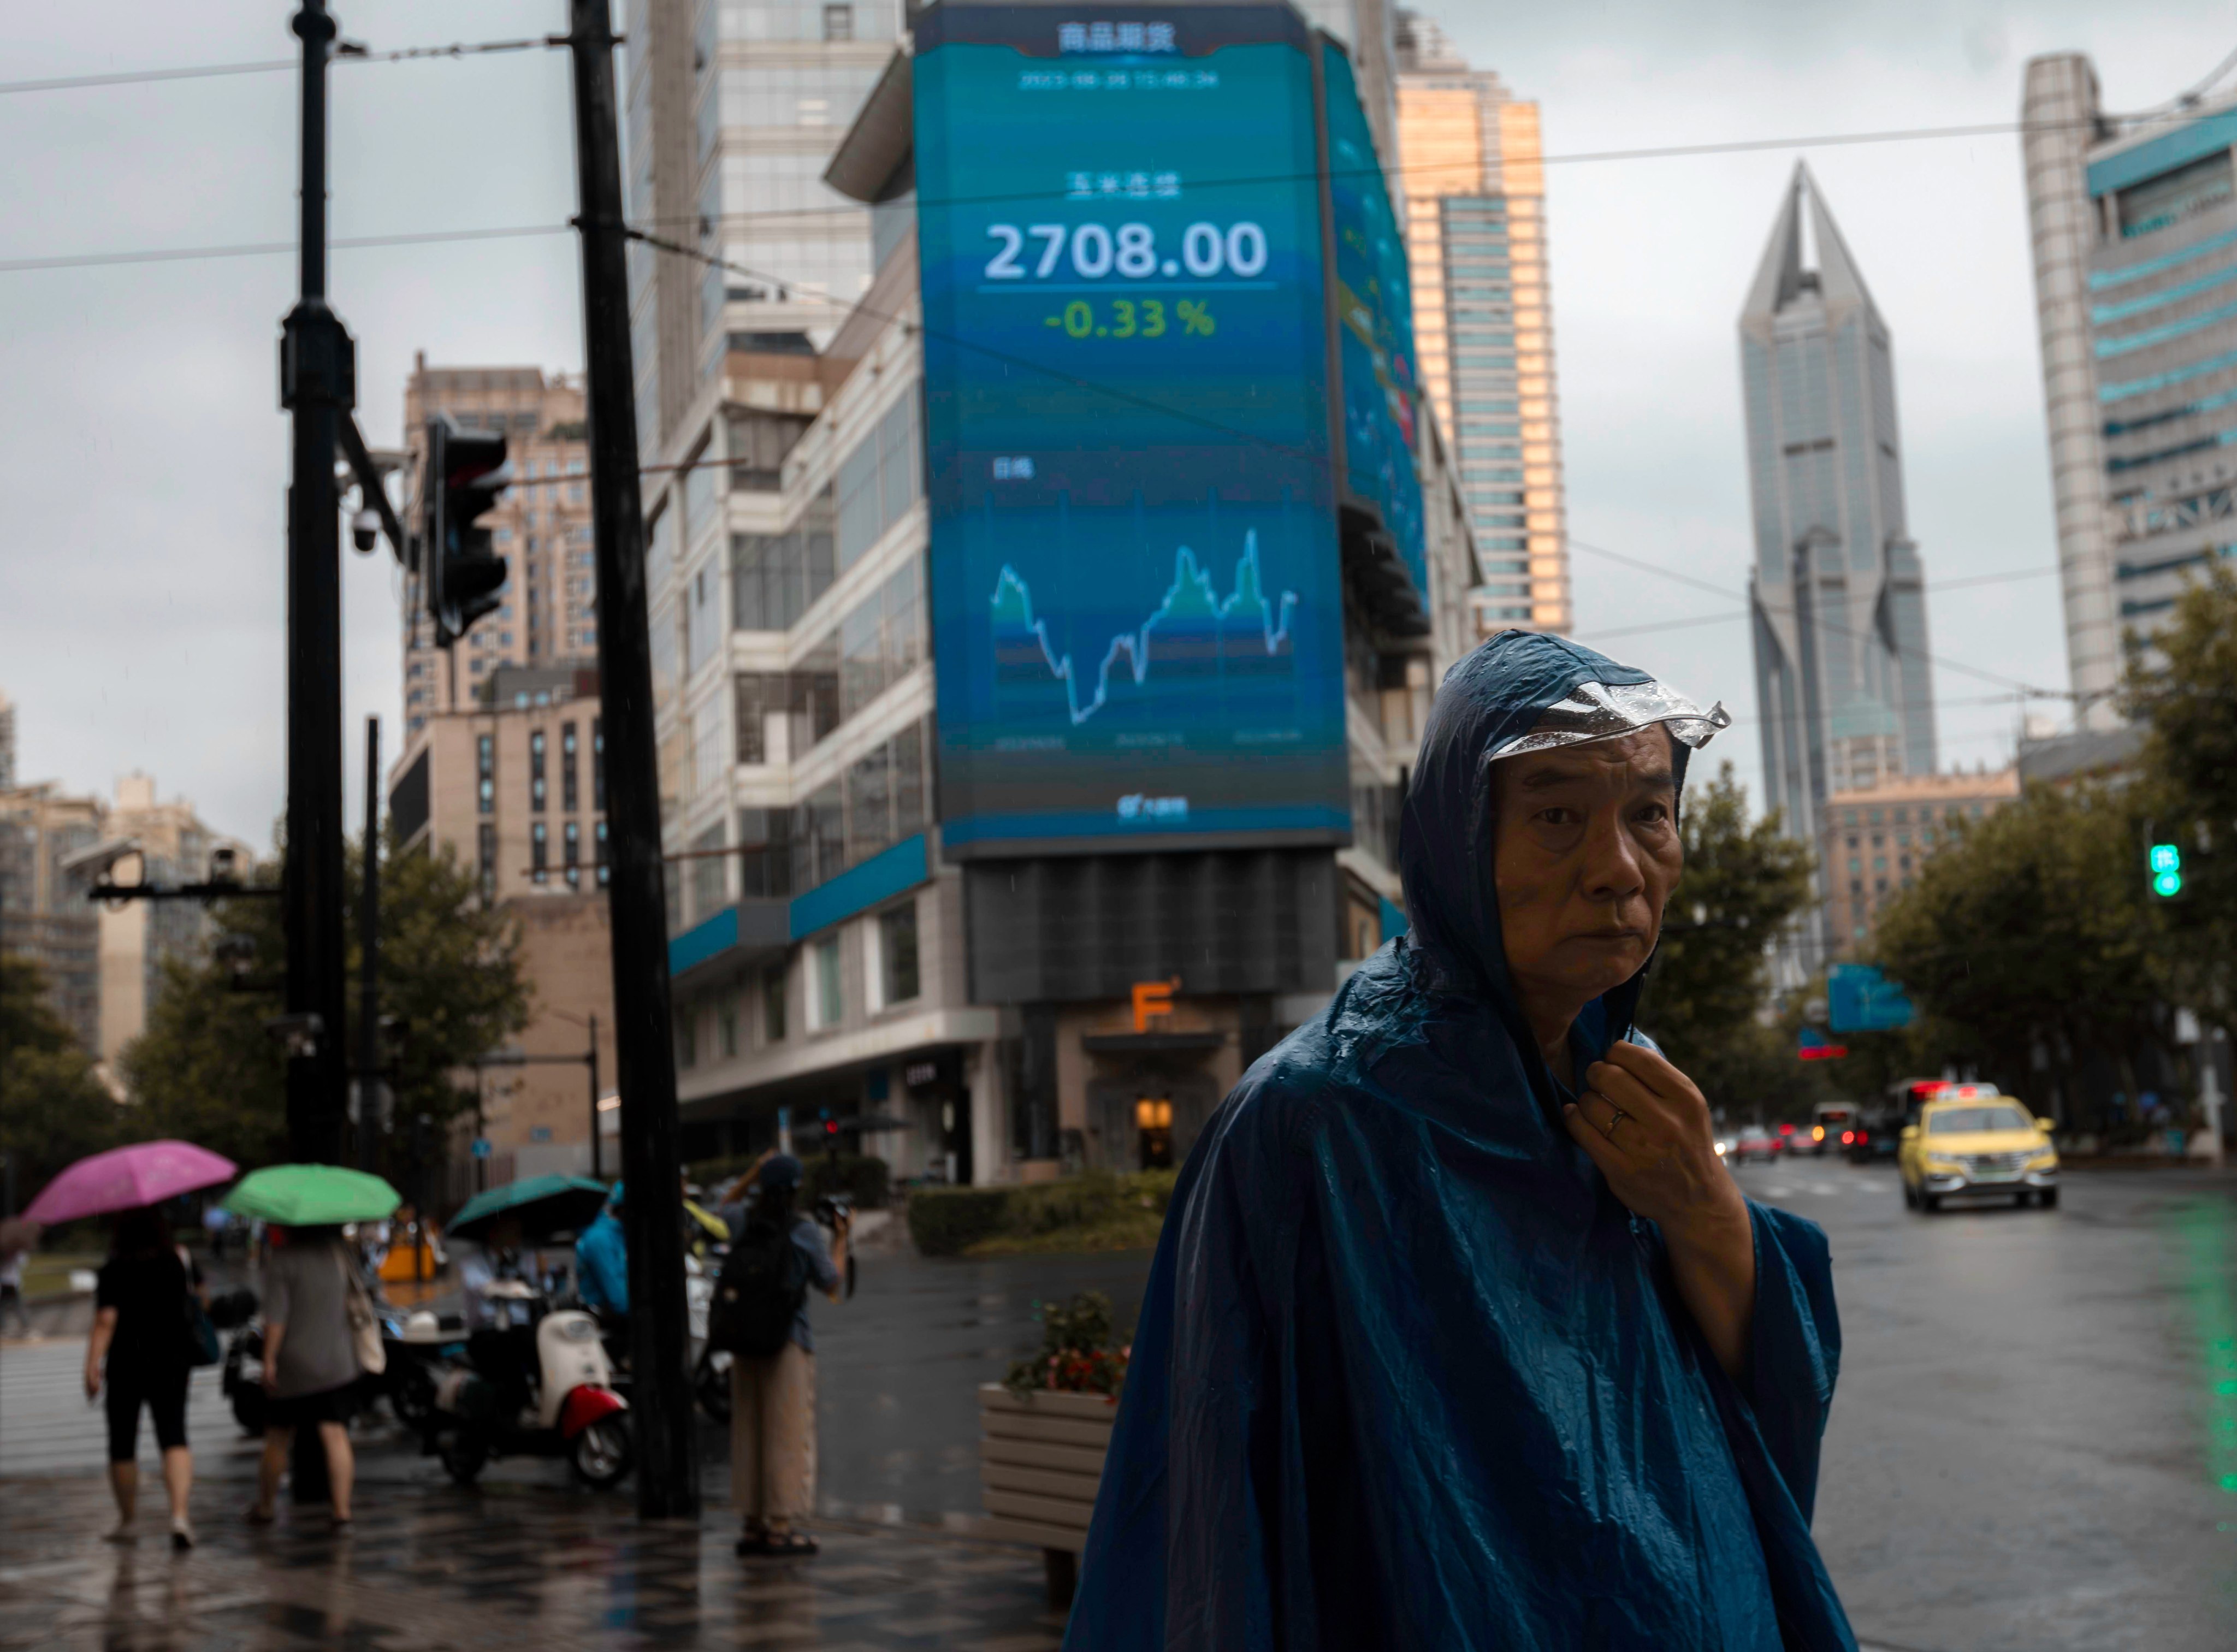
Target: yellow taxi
1977,1143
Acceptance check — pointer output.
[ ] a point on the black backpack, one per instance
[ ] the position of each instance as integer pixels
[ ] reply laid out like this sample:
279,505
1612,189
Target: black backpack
758,1294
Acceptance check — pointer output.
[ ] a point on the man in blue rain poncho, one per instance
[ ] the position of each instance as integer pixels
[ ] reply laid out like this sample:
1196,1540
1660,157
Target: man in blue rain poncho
1459,1338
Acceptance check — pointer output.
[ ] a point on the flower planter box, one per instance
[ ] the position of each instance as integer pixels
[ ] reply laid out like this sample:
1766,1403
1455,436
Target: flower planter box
1040,1460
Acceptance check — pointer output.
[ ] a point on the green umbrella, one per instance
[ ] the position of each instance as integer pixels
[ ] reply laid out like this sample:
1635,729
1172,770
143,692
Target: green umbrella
543,1204
312,1195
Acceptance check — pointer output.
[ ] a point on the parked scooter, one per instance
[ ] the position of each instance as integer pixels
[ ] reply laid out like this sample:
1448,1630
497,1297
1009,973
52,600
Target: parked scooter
418,1346
544,1389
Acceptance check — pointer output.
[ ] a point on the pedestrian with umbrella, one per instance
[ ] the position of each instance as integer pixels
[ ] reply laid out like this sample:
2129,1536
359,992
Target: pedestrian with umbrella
149,1330
320,1332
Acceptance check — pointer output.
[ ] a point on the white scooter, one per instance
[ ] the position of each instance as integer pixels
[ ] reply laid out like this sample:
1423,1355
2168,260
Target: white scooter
540,1389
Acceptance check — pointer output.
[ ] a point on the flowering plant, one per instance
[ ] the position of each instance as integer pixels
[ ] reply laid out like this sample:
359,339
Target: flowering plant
1078,1354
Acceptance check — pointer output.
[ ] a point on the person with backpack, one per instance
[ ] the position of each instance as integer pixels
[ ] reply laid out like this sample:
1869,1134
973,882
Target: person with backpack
759,1316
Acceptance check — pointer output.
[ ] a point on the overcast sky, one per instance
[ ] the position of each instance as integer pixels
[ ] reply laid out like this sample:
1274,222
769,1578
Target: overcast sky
143,454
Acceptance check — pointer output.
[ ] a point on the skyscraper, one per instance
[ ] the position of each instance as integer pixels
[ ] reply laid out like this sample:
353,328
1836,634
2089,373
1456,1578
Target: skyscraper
2134,221
1475,229
1843,680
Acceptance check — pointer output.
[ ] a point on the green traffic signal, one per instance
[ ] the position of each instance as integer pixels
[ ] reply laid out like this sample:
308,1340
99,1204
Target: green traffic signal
2165,861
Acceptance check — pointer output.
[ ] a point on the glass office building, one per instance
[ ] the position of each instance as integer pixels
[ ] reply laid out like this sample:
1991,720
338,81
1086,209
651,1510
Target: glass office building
2134,230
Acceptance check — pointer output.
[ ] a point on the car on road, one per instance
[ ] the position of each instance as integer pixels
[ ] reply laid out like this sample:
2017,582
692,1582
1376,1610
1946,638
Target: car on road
1877,1136
1832,1127
1755,1142
1964,1146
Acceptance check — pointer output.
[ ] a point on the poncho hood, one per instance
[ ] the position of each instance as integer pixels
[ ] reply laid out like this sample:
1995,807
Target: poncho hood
1518,692
1407,1374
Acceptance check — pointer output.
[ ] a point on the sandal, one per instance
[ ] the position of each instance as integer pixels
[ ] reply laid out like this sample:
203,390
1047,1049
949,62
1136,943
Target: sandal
788,1543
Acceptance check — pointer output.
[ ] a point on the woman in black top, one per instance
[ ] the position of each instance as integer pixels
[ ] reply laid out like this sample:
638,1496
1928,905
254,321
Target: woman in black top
141,1327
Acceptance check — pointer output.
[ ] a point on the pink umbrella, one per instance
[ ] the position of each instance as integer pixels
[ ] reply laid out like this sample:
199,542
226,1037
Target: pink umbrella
125,1177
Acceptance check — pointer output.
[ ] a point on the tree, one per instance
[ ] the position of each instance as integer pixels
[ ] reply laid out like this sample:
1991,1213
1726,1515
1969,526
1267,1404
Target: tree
2026,942
206,1070
1705,1001
2184,691
54,1110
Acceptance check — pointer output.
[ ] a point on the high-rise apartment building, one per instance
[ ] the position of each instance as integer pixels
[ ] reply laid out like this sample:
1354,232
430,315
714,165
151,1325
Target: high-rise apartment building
7,742
102,964
548,618
1872,844
1474,189
513,785
2134,227
1843,683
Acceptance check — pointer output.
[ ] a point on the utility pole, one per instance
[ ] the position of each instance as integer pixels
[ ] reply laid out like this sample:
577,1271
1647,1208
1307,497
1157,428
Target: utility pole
368,1003
318,385
318,374
667,1469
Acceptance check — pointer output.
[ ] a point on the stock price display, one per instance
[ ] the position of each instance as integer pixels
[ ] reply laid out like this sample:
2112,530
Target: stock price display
1134,579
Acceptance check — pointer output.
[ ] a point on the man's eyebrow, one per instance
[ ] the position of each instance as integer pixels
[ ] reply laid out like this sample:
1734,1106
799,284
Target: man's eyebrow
1545,778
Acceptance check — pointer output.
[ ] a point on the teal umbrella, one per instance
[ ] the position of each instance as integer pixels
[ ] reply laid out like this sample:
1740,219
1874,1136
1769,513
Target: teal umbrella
312,1195
543,1205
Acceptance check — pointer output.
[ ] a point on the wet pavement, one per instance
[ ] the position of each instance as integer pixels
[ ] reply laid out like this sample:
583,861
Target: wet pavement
2033,1445
427,1569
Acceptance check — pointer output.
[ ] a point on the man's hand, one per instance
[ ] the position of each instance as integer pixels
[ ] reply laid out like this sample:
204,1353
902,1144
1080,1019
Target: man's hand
92,1379
271,1372
1647,1128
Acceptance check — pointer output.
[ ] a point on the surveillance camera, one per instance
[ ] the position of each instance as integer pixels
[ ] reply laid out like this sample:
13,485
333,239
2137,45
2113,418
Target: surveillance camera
364,529
100,859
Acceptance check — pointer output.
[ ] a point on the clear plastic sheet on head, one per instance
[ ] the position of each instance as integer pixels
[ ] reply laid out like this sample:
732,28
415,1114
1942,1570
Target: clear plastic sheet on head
1606,711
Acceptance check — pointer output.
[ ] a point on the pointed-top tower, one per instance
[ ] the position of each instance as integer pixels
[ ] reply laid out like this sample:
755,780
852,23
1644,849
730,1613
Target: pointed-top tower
1842,673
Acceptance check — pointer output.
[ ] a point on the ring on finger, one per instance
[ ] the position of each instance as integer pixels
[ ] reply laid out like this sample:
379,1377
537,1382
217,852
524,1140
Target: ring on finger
1615,1119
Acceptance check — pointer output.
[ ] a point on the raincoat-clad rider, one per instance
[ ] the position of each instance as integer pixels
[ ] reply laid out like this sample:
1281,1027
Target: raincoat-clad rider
602,1262
1458,1335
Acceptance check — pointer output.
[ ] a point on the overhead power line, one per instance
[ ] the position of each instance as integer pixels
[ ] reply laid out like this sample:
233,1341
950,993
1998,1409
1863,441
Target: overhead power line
157,256
1961,666
347,52
1736,614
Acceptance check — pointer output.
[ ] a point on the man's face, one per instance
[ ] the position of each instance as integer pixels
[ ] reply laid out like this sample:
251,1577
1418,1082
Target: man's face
1586,851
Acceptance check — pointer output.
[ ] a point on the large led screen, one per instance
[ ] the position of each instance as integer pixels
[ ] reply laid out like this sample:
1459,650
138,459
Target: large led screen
1375,326
1138,618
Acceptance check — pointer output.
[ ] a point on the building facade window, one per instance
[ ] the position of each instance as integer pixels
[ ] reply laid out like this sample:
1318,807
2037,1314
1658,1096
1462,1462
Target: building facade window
601,863
539,853
572,854
773,1005
826,989
485,858
537,792
570,795
598,771
687,1035
485,774
775,577
878,481
726,1027
897,954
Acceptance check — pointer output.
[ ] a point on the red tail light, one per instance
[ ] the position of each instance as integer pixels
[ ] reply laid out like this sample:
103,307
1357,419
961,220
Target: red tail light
1862,1136
1848,1138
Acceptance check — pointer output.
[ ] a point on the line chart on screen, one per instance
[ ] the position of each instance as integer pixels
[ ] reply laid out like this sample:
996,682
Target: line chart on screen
1192,633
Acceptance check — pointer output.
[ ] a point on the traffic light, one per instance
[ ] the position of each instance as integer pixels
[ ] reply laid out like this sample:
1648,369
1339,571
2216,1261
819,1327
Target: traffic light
461,575
2165,861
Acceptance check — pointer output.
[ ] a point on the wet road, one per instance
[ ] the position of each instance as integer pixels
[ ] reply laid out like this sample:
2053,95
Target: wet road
2034,1443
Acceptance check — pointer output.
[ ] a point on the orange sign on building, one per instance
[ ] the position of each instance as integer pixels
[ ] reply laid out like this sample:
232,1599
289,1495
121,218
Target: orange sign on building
1153,999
